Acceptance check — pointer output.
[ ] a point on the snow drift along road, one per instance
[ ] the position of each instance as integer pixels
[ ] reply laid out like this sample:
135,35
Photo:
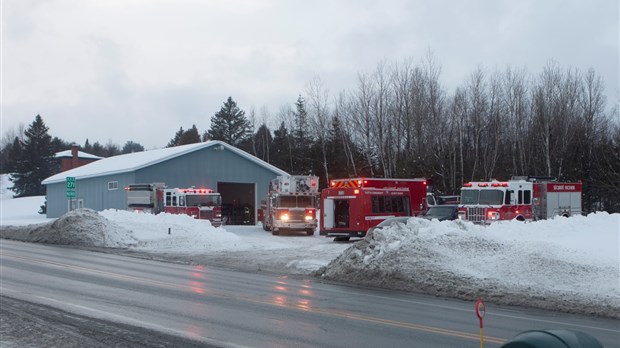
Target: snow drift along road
565,264
532,265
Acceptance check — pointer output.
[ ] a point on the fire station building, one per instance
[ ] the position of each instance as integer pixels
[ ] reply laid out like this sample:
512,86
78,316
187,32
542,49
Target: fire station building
241,179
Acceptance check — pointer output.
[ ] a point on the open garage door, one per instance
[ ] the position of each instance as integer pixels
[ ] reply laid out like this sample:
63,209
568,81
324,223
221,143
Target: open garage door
238,202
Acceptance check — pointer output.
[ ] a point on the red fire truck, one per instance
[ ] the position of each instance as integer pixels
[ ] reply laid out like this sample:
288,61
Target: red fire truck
201,203
351,206
521,198
291,204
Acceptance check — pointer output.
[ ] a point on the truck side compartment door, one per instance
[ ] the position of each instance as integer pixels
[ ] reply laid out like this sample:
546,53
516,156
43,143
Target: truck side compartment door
328,213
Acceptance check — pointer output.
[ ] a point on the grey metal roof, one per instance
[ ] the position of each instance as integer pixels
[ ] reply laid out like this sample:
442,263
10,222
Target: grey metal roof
137,160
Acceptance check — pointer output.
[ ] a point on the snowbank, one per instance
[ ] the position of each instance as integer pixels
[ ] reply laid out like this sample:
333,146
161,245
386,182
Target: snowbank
170,233
564,264
82,227
568,264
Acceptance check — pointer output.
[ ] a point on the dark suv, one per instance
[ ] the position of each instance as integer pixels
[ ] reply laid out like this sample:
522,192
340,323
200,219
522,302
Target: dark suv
442,212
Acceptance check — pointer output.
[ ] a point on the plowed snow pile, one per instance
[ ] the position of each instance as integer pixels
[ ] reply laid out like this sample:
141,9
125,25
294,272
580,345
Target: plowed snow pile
82,227
534,264
563,264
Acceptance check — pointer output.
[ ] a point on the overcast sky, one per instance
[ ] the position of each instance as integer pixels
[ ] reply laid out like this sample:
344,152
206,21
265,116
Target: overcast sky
119,70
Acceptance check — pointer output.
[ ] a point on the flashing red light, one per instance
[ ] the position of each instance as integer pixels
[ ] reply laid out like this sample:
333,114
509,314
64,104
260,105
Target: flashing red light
365,181
356,191
423,182
359,183
467,184
490,213
517,211
483,184
332,184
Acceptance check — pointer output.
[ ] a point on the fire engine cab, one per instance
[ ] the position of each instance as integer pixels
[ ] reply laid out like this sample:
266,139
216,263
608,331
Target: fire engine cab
200,203
351,206
291,204
522,198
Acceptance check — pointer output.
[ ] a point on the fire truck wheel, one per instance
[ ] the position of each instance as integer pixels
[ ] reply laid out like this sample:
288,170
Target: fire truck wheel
275,233
310,232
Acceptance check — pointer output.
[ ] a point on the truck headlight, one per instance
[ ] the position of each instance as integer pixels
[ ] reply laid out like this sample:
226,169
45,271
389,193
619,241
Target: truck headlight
493,215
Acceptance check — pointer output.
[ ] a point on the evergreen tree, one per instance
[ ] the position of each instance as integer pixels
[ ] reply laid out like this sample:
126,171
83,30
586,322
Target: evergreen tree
131,147
59,145
280,150
301,140
184,137
229,125
12,156
98,150
88,148
176,141
190,136
338,150
35,162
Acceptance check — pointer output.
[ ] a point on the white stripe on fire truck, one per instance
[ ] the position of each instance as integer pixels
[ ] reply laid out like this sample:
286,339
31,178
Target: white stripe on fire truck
378,217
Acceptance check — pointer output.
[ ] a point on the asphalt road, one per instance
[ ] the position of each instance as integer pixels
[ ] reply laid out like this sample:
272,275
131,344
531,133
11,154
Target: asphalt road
130,300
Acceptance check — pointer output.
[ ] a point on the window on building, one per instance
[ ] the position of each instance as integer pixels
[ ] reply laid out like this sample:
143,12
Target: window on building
112,185
76,203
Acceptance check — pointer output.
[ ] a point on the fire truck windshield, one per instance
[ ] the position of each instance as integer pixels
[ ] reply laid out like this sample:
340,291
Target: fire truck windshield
296,201
485,197
202,200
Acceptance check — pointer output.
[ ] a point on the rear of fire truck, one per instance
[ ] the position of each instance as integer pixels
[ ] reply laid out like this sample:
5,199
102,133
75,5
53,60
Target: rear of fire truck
144,197
291,204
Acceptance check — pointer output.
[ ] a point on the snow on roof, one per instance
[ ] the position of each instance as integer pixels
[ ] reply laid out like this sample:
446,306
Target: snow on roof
80,154
138,160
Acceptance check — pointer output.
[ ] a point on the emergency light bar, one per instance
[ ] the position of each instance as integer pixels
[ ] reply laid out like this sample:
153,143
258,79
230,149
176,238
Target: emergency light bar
196,190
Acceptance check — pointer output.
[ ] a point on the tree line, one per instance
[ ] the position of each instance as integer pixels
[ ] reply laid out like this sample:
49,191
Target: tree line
400,122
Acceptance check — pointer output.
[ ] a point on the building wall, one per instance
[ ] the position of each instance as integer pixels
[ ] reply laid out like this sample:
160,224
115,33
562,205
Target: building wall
202,168
92,192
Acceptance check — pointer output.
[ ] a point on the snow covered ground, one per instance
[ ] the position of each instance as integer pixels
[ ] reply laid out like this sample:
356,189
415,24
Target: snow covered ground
567,264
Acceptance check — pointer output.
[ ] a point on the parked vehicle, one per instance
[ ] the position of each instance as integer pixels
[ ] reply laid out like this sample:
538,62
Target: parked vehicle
200,203
291,204
433,200
523,199
350,207
448,200
442,212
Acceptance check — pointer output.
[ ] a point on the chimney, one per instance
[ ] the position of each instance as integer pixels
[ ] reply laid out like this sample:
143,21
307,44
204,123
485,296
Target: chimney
74,156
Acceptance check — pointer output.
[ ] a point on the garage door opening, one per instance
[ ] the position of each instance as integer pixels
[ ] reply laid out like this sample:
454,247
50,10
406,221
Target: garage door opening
238,202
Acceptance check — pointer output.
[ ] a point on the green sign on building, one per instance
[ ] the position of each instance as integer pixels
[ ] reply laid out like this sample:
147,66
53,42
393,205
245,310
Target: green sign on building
70,184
